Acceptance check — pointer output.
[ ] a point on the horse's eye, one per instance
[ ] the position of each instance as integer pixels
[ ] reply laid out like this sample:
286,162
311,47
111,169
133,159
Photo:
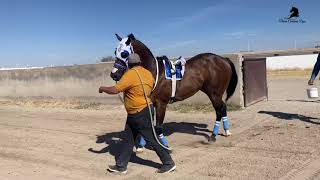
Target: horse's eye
124,54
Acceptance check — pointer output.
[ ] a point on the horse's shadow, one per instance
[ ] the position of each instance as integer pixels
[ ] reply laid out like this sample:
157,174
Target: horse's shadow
114,140
187,128
289,116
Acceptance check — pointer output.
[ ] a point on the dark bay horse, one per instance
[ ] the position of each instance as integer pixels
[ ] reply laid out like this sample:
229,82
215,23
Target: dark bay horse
210,73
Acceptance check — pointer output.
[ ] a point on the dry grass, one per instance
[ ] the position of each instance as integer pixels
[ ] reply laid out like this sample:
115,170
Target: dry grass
296,72
78,104
48,102
189,108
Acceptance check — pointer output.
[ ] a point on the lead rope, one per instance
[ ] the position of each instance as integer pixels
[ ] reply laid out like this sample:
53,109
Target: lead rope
157,75
151,117
155,84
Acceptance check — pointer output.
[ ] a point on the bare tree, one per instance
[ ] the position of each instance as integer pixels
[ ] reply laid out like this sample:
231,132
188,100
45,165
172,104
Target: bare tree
107,59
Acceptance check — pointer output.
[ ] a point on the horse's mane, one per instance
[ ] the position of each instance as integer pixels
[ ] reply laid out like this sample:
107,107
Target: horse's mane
144,46
147,58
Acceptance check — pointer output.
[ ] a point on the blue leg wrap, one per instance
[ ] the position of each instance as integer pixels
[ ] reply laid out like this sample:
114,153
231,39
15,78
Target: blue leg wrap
142,142
163,140
225,123
216,128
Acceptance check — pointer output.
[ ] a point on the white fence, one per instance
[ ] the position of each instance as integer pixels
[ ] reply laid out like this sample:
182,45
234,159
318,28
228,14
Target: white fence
291,62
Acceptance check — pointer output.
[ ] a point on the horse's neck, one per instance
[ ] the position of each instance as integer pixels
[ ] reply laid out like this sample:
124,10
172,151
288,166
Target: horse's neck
148,62
147,59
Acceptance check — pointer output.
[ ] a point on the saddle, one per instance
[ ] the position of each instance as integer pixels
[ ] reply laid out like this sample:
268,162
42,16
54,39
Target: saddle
174,71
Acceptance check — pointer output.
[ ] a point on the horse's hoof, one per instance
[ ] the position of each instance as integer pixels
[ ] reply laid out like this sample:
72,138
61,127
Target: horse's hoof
227,133
139,150
170,150
212,139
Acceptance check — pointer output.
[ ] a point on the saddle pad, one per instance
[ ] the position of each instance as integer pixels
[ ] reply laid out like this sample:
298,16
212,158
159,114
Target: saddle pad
179,70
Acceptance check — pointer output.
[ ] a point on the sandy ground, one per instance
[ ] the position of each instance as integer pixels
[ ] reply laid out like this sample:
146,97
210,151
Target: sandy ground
275,139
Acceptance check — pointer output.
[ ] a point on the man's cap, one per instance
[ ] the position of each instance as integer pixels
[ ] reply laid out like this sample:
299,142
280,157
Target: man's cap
134,59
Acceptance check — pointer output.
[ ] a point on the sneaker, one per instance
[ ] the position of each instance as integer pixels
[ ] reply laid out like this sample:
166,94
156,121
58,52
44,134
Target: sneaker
167,168
117,169
139,150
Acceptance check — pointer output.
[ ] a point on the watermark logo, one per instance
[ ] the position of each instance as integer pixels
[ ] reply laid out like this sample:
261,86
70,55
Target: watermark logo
294,17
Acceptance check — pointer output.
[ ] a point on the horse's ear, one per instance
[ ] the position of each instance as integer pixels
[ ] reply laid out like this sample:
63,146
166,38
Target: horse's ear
165,58
131,36
118,37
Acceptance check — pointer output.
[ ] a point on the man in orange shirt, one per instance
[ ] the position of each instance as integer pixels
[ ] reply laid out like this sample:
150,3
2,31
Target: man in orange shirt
138,119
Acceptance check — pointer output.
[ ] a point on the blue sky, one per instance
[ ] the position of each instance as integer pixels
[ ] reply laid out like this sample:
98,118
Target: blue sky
65,32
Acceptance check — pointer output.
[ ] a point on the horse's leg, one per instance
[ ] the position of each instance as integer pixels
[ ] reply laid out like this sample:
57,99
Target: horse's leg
160,114
141,144
217,104
221,113
225,120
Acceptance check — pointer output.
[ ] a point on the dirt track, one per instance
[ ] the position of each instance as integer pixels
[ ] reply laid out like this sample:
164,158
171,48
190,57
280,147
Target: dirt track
276,139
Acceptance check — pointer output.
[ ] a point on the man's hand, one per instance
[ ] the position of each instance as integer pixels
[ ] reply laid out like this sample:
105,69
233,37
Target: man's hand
108,90
310,82
101,89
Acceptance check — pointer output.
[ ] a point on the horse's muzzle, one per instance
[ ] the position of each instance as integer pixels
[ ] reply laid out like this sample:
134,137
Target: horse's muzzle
115,77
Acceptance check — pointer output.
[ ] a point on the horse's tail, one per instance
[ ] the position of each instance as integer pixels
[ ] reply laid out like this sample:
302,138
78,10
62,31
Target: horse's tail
233,81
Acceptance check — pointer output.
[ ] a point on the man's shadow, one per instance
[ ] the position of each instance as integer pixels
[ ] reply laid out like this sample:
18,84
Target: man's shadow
307,101
114,141
115,144
289,116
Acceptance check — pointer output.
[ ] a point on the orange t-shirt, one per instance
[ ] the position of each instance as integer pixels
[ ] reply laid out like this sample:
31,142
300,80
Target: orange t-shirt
134,100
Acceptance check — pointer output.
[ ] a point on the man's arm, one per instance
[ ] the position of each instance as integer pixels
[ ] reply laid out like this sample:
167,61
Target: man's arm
108,90
124,83
315,71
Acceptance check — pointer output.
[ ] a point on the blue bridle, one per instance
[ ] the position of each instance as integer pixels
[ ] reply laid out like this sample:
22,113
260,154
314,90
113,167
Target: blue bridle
120,66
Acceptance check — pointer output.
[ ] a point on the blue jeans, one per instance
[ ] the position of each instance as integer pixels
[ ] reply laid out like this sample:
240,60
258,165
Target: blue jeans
316,69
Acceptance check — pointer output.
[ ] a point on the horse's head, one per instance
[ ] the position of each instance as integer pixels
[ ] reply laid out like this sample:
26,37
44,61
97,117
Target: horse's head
127,46
122,52
294,12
